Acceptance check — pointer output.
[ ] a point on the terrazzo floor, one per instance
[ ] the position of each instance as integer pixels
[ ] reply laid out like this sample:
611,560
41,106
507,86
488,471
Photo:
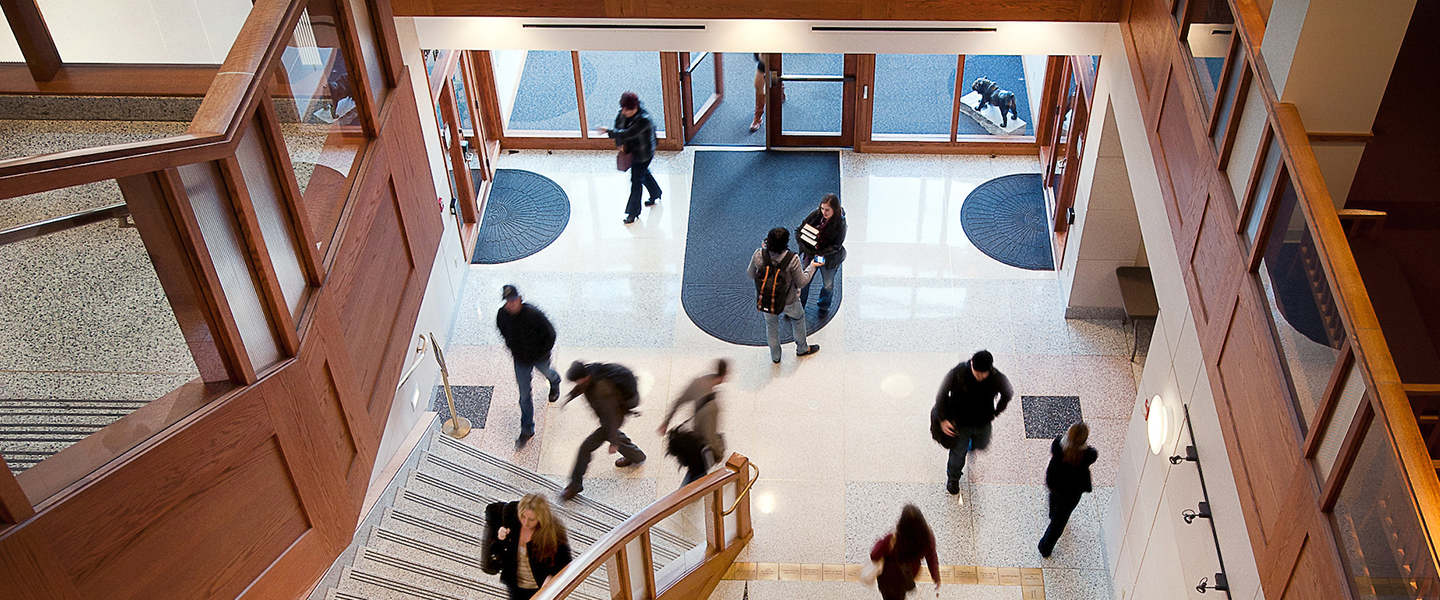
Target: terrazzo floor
841,438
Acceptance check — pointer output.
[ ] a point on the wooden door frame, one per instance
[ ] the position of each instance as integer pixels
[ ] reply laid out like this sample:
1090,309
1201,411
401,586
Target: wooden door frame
957,144
774,138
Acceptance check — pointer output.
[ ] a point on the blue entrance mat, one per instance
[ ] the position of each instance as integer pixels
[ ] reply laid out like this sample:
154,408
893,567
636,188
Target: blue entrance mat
1005,218
524,213
735,199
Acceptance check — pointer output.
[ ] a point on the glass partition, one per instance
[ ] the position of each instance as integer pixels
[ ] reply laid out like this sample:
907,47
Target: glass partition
135,33
812,107
1347,408
914,96
1382,541
315,102
1261,189
635,560
90,336
702,79
1303,314
1209,29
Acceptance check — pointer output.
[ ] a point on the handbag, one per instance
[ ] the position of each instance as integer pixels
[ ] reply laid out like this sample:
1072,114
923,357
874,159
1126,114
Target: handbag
871,572
623,160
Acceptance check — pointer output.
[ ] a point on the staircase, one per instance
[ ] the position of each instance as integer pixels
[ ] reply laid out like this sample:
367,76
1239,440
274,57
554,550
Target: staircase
428,543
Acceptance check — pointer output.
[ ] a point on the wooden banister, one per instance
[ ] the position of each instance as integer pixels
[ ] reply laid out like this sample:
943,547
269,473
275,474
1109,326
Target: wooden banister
718,555
212,135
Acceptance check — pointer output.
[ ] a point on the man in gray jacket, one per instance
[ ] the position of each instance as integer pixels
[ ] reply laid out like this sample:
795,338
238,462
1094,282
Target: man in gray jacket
705,423
776,252
612,403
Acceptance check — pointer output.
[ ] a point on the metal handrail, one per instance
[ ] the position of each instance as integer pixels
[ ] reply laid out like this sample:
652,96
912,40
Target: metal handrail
741,495
28,231
419,356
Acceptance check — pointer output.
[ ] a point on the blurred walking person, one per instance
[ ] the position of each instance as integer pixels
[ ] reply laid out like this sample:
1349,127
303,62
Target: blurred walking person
1068,477
531,338
901,551
613,394
700,445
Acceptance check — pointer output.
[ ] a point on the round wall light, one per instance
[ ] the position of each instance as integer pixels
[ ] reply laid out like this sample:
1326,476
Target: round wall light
1158,426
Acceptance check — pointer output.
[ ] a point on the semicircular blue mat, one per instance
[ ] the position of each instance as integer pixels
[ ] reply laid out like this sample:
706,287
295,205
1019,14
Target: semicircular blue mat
524,213
1005,218
735,198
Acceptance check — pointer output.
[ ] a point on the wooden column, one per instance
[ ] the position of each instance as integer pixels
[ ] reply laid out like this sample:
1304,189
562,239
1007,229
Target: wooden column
33,35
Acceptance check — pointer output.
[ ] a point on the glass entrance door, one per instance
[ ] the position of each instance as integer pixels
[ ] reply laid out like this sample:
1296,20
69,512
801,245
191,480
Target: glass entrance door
812,100
702,81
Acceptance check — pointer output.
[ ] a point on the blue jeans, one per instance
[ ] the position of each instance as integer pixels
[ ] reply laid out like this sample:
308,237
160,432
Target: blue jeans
522,377
827,288
795,313
976,438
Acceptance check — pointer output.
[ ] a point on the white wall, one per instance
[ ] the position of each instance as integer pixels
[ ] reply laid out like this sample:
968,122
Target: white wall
1034,65
138,31
1153,553
442,294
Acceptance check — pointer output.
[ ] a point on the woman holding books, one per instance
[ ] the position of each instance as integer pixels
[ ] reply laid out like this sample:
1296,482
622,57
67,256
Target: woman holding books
822,236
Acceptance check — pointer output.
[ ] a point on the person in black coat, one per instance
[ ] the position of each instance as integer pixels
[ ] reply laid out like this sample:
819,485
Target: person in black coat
634,133
1068,476
530,337
964,409
529,531
829,220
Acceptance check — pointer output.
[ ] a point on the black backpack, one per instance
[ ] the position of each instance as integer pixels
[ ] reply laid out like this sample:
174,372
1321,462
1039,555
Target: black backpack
623,379
772,283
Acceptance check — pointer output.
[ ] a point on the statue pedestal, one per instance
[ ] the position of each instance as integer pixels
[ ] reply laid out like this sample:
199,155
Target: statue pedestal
990,117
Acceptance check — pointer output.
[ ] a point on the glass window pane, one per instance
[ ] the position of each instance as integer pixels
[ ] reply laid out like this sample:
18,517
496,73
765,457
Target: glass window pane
315,102
812,107
1227,101
914,96
544,104
139,32
90,336
1377,524
1007,73
1262,189
1302,311
1208,41
273,215
813,64
369,50
462,102
635,559
606,75
702,77
1346,409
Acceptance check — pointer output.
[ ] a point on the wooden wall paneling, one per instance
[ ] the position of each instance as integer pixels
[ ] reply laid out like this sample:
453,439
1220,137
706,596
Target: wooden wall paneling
264,268
216,498
308,440
171,244
111,80
306,240
383,16
674,139
29,569
1155,39
349,424
14,504
1254,398
1183,160
1276,561
27,24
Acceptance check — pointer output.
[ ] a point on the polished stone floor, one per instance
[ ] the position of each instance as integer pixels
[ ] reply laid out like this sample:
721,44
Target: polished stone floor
841,438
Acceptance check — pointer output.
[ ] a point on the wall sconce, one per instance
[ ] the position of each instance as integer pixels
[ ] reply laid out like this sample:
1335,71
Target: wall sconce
1157,418
1191,514
1220,584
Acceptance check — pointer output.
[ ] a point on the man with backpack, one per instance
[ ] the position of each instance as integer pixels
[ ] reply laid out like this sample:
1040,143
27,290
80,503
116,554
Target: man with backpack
778,279
613,393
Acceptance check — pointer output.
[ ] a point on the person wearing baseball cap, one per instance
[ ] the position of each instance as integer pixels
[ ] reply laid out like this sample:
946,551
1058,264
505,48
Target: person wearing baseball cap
531,338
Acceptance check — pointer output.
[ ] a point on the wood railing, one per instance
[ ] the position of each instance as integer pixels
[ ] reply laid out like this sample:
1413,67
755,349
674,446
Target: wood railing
695,573
213,134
